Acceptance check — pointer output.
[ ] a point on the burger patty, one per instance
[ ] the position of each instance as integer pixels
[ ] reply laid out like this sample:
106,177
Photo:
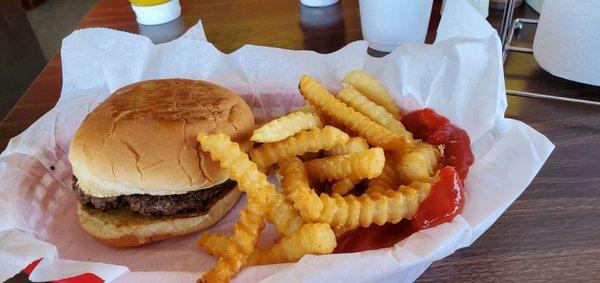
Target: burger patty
198,201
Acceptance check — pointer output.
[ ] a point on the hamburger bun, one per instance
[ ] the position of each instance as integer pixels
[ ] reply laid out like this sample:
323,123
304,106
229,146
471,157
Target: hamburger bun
142,139
138,171
123,228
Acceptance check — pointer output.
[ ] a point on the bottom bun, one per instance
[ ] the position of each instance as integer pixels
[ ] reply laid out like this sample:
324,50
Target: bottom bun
124,228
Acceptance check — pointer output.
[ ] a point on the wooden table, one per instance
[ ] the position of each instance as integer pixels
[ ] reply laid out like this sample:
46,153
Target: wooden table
550,233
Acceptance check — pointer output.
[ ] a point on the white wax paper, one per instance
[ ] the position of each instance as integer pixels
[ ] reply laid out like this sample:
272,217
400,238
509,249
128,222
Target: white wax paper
460,76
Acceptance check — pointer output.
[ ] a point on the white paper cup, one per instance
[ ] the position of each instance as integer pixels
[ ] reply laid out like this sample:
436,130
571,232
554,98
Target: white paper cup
388,23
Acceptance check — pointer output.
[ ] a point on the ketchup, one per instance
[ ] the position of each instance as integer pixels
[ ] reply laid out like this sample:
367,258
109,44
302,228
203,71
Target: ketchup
373,237
435,129
446,198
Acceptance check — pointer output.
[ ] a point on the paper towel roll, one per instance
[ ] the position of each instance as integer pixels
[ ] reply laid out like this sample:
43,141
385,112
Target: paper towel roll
567,40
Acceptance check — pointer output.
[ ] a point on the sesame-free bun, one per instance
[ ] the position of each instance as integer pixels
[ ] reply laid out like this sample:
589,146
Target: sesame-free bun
123,228
142,139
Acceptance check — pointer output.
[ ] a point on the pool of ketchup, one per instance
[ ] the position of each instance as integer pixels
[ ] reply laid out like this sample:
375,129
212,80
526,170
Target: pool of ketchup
446,198
436,129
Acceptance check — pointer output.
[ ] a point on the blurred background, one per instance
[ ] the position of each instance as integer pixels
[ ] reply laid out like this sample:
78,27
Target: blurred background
52,20
31,32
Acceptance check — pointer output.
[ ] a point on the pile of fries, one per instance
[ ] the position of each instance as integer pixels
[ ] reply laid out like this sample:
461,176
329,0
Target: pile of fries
322,151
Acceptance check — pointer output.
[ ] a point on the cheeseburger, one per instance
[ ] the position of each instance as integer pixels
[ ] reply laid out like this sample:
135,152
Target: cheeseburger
138,171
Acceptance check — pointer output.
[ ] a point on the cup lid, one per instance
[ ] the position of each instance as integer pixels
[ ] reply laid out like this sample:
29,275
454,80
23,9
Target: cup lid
318,3
157,14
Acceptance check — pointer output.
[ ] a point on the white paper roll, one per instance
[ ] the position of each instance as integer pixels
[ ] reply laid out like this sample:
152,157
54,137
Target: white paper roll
567,40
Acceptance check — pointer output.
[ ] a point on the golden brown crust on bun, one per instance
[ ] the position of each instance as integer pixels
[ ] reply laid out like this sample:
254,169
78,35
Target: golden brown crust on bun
123,228
142,139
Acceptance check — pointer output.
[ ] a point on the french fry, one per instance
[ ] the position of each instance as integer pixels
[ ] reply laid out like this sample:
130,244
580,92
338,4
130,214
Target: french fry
215,244
312,238
324,101
346,213
343,186
360,103
306,108
286,126
388,180
350,211
418,164
420,188
367,164
399,178
261,194
251,221
251,181
372,90
354,144
240,245
295,186
286,220
237,164
306,141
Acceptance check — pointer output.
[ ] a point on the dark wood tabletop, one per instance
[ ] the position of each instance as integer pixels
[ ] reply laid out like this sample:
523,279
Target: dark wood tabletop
552,231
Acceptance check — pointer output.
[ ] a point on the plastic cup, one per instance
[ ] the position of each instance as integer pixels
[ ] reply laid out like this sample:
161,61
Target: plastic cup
388,23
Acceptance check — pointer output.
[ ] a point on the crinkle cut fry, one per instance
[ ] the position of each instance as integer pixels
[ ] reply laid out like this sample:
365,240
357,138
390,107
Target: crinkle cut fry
281,214
388,180
354,144
312,140
380,115
251,181
260,193
344,186
241,245
371,88
345,213
214,244
312,238
248,227
295,186
286,220
348,212
418,164
307,108
286,126
359,165
288,249
324,101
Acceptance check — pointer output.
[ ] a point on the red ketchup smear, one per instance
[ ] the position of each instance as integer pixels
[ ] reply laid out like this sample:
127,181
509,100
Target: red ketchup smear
446,198
82,278
435,129
373,237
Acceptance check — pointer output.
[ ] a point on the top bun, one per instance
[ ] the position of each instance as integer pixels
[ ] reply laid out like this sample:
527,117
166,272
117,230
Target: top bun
142,139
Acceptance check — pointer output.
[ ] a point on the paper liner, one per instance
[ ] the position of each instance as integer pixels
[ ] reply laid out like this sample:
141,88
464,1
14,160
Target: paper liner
460,76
